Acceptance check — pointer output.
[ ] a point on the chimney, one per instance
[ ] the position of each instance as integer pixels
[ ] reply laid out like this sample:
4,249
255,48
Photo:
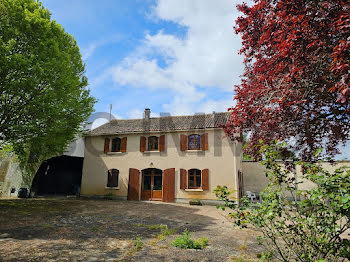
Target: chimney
147,114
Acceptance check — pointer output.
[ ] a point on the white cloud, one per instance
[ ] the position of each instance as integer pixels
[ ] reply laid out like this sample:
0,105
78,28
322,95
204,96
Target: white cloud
205,57
90,49
215,105
87,52
137,114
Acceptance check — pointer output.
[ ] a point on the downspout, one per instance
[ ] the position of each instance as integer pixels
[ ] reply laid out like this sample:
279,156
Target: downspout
235,171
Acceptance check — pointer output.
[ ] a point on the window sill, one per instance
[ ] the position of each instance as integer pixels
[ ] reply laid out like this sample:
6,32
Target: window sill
115,188
114,153
194,190
152,151
194,150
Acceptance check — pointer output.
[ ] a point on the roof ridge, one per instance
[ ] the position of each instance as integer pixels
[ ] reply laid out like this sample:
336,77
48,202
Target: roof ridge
197,114
184,122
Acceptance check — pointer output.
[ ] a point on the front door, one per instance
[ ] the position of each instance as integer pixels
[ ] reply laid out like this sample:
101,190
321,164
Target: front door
152,184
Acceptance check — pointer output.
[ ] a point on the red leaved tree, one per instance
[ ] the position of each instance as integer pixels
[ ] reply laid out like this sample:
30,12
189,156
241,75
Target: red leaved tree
296,80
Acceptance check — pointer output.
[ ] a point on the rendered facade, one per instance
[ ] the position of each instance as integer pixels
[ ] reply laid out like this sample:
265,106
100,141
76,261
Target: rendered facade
170,159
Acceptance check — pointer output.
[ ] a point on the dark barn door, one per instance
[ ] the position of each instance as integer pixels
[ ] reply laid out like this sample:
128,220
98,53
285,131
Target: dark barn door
59,176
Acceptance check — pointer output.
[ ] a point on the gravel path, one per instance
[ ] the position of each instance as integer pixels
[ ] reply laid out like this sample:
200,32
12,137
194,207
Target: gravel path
106,230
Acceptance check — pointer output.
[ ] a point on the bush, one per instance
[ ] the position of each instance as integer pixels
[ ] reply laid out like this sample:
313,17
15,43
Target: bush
185,241
309,229
138,244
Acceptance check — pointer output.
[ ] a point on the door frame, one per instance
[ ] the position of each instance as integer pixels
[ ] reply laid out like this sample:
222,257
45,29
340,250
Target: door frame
151,198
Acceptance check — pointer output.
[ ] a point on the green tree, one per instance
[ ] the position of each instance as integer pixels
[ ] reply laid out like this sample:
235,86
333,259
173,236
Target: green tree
43,94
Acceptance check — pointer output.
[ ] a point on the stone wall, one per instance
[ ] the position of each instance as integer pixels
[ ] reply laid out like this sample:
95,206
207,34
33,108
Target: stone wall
254,178
10,177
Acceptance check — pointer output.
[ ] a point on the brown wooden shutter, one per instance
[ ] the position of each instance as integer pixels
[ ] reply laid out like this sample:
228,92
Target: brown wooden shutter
109,178
106,149
183,142
169,185
116,178
204,141
205,179
123,146
134,184
162,143
142,144
183,178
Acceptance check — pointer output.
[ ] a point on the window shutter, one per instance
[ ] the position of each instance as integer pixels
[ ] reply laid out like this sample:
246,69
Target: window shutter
183,142
204,141
205,179
123,146
169,185
106,149
134,184
183,178
109,178
162,143
142,144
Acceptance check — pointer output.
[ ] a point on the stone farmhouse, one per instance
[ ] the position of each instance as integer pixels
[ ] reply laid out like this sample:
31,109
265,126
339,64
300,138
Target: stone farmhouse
169,158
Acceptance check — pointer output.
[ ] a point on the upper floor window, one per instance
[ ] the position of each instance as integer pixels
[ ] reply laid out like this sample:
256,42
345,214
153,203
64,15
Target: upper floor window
115,144
112,178
194,142
152,143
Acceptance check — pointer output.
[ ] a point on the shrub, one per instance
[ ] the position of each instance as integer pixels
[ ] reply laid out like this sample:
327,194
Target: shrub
306,230
185,241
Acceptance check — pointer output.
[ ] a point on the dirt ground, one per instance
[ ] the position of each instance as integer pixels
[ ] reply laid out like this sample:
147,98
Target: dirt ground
106,230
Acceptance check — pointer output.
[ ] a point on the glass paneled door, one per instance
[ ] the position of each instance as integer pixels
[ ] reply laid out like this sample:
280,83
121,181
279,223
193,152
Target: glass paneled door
152,184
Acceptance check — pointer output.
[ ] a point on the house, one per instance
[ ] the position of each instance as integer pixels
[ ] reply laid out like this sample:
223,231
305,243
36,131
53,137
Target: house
169,158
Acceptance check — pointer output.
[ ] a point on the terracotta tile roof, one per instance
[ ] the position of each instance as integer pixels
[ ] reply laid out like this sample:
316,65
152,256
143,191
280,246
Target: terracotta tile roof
164,123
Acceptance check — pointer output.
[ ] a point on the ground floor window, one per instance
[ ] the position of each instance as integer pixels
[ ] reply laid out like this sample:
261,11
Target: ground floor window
194,178
113,177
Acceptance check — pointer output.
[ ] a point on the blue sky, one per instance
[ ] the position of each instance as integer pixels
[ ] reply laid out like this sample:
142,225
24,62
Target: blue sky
175,56
171,56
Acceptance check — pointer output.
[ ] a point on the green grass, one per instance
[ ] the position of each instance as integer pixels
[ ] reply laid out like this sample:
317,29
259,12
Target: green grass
165,232
94,229
151,227
139,225
185,241
108,196
138,244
